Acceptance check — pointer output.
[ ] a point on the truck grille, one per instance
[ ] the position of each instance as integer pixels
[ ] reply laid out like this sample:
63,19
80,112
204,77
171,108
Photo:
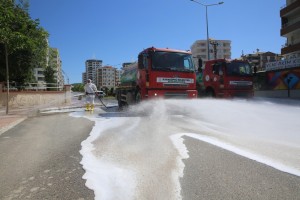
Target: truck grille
241,83
173,95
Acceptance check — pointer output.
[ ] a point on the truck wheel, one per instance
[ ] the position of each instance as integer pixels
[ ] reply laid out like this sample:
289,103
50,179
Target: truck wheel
210,93
138,97
120,103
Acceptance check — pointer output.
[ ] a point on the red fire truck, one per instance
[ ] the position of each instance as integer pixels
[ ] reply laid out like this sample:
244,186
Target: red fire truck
166,73
225,78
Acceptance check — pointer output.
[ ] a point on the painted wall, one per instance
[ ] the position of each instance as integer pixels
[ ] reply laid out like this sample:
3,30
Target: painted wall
280,80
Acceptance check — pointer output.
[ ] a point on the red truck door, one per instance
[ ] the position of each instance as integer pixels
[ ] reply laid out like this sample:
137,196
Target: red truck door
142,75
212,77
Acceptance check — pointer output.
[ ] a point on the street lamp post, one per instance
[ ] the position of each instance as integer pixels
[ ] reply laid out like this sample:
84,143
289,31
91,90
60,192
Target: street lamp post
207,36
215,44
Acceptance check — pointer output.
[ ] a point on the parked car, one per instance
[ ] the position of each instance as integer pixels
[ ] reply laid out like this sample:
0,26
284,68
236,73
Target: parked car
101,93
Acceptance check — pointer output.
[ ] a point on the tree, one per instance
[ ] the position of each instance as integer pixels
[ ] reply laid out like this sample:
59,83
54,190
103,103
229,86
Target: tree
49,76
78,87
22,42
10,41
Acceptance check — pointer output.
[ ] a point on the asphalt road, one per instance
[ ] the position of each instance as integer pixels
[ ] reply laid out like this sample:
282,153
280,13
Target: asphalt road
40,159
214,173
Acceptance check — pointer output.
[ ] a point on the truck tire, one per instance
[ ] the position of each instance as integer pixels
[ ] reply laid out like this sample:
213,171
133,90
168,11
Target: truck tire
210,93
138,97
120,102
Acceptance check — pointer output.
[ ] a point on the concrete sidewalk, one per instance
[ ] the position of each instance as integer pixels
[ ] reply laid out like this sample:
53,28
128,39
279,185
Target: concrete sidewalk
17,115
9,121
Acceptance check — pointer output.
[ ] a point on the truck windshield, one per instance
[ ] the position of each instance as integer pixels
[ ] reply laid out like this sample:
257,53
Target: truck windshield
172,61
238,69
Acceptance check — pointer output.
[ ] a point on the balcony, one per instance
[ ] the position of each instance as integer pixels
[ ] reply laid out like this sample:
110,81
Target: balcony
290,8
290,49
290,27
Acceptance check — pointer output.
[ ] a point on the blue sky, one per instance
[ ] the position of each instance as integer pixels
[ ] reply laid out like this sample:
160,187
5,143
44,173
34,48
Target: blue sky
116,31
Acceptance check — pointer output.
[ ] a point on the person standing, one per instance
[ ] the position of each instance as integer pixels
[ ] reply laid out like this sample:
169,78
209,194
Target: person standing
90,91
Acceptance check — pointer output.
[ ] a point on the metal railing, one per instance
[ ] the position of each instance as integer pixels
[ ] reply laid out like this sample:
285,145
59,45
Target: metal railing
290,22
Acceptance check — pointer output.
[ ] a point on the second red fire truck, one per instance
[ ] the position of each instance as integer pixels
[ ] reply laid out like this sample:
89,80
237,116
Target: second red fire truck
225,78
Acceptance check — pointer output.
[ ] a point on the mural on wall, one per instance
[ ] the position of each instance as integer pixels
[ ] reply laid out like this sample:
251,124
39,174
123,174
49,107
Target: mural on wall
281,79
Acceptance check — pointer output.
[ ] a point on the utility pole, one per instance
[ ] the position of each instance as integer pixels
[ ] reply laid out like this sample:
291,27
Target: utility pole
215,44
7,78
207,36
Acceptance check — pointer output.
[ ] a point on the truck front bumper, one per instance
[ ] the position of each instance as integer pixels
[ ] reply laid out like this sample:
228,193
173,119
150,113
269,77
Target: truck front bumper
186,94
236,93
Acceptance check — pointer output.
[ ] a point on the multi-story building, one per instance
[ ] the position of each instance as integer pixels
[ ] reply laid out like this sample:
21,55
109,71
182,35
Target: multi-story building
106,77
124,65
38,74
259,59
290,28
91,67
56,63
53,60
118,77
282,72
84,77
217,49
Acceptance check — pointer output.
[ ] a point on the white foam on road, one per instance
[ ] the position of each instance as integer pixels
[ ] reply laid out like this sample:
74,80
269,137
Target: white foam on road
139,155
106,179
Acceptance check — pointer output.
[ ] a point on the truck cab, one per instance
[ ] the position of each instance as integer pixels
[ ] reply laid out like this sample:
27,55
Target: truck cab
225,78
166,73
159,73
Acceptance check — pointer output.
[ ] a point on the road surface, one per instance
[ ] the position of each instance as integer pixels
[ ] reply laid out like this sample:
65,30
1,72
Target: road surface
40,159
215,173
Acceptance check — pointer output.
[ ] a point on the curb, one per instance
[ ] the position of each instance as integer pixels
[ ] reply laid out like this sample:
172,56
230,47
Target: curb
11,123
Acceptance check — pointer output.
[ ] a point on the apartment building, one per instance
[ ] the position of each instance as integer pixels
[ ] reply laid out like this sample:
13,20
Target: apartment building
118,77
127,64
56,63
259,59
290,29
106,77
38,74
83,78
53,60
91,67
217,49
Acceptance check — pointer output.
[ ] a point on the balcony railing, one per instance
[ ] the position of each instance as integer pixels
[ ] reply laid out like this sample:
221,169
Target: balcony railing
290,27
33,87
288,8
290,22
290,49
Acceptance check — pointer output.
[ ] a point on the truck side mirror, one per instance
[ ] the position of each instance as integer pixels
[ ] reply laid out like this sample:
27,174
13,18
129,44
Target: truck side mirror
140,62
215,69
